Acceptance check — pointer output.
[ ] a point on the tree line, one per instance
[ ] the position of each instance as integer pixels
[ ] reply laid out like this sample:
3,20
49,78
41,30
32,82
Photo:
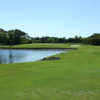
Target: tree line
14,37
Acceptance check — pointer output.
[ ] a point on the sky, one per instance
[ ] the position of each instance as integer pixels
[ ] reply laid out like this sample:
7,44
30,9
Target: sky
59,18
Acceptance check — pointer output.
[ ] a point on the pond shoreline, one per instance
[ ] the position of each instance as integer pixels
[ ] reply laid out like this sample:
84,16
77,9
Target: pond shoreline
41,48
26,55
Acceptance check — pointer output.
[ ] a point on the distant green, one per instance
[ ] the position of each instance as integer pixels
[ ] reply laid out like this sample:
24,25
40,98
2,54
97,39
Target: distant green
75,77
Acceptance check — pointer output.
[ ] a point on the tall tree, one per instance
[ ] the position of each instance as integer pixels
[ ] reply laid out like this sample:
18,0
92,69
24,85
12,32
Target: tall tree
15,36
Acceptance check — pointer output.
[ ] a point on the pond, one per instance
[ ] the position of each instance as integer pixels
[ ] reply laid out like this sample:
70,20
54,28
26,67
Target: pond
25,55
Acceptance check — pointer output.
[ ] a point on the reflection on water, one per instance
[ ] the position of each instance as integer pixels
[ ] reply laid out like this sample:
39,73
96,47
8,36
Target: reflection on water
14,56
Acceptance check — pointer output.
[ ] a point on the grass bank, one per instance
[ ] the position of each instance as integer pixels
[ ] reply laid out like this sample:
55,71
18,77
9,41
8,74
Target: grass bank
75,77
39,46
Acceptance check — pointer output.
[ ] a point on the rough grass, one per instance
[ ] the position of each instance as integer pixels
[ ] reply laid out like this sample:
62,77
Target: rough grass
75,77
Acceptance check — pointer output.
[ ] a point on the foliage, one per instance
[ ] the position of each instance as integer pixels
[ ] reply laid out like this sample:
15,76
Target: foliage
13,37
3,37
93,40
49,40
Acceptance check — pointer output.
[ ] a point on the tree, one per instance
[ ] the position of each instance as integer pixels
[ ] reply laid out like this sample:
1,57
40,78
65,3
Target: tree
15,36
3,37
95,39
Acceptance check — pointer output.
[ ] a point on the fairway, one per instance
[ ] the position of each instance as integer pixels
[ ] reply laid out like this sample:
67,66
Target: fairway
76,76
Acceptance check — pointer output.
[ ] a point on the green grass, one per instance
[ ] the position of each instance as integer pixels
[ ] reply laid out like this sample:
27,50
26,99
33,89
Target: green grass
39,45
75,77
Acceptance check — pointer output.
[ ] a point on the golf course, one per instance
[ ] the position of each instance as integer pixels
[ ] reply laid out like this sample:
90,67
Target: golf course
75,76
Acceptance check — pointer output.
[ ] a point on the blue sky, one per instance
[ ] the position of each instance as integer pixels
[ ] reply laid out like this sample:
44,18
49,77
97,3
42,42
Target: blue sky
62,18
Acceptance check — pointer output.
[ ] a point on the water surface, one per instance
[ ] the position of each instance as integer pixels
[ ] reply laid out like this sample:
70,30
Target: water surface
20,55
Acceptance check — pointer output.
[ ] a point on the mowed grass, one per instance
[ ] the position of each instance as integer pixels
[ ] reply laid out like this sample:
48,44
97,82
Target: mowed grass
39,45
75,77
